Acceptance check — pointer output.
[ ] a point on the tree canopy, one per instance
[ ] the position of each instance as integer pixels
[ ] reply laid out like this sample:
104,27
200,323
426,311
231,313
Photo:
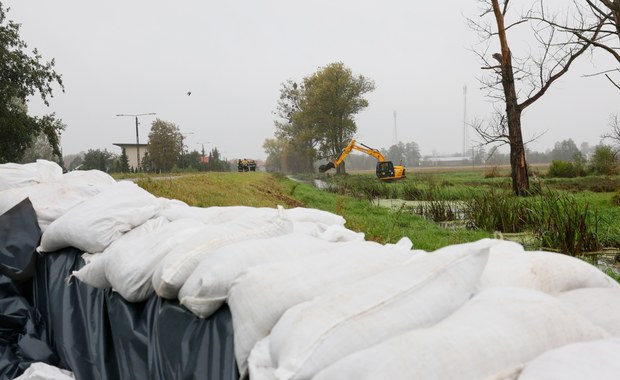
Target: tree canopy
316,117
165,146
22,75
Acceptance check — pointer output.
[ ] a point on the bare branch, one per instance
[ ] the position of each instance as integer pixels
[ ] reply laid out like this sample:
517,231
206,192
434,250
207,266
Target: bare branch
616,84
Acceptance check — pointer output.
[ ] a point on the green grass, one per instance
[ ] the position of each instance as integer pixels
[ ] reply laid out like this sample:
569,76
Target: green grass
221,189
379,223
353,198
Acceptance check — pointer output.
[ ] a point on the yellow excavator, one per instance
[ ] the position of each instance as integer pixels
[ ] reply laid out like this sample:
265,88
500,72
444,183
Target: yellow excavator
386,170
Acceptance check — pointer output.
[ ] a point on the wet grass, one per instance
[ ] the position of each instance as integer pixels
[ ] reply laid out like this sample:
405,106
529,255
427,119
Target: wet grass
570,222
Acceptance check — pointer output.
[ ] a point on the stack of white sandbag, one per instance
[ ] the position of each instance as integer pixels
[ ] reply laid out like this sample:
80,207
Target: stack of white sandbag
415,295
260,296
19,175
500,328
128,264
176,267
341,323
206,289
549,272
54,193
98,221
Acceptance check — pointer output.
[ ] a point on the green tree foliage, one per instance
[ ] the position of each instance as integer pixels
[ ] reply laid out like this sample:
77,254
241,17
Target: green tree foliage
562,169
316,117
96,159
407,154
216,163
40,149
123,162
333,97
604,162
564,150
23,75
294,128
275,152
165,146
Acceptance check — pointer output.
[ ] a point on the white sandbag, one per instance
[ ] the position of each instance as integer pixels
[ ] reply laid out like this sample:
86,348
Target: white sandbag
315,334
263,293
93,273
302,214
206,289
338,233
174,210
260,366
19,175
577,361
600,306
545,271
51,200
499,328
174,269
98,221
130,268
43,371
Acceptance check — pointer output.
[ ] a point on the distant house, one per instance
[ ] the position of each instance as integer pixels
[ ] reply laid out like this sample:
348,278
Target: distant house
131,150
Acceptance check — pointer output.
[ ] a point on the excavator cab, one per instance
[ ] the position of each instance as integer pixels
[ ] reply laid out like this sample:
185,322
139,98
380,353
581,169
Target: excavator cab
385,169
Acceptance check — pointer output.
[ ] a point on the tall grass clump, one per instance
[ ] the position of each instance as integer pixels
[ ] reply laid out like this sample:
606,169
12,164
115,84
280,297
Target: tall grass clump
561,223
497,210
558,221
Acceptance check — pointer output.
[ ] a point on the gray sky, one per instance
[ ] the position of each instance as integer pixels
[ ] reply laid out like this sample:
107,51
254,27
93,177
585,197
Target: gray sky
143,56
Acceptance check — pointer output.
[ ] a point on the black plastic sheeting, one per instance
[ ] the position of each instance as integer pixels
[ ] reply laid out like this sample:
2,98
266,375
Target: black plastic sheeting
96,333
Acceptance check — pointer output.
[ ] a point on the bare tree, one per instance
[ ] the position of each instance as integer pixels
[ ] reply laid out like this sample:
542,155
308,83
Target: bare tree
594,22
614,134
513,78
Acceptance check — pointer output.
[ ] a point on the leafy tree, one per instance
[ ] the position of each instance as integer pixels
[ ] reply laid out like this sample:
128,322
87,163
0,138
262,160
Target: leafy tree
412,154
295,128
275,149
529,76
333,96
123,162
216,163
165,145
564,150
396,153
603,161
72,161
99,160
22,75
40,149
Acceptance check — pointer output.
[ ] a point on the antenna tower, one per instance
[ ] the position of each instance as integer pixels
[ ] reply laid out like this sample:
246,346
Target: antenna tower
395,132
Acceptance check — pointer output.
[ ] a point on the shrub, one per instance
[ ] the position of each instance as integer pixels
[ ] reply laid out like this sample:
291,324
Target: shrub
603,161
562,169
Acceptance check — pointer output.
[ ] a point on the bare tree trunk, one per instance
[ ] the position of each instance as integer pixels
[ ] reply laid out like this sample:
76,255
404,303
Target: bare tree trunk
520,180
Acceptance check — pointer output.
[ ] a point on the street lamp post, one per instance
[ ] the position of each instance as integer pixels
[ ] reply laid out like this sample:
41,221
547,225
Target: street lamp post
137,136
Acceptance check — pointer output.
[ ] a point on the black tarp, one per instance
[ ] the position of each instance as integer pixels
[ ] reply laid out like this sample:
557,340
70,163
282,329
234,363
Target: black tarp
96,333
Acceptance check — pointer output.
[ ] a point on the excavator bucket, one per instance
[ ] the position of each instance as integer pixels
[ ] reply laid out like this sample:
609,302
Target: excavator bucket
326,167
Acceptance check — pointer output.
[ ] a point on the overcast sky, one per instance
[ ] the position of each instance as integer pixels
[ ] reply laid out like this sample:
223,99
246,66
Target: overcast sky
143,56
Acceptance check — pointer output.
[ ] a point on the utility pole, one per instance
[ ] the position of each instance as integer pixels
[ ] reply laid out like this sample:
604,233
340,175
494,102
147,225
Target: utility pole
137,135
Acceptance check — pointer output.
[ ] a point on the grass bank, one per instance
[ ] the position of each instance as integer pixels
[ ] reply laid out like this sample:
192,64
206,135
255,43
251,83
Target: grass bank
266,190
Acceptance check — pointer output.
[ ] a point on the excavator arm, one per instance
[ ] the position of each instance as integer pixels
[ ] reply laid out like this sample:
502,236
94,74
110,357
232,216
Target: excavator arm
353,145
385,169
